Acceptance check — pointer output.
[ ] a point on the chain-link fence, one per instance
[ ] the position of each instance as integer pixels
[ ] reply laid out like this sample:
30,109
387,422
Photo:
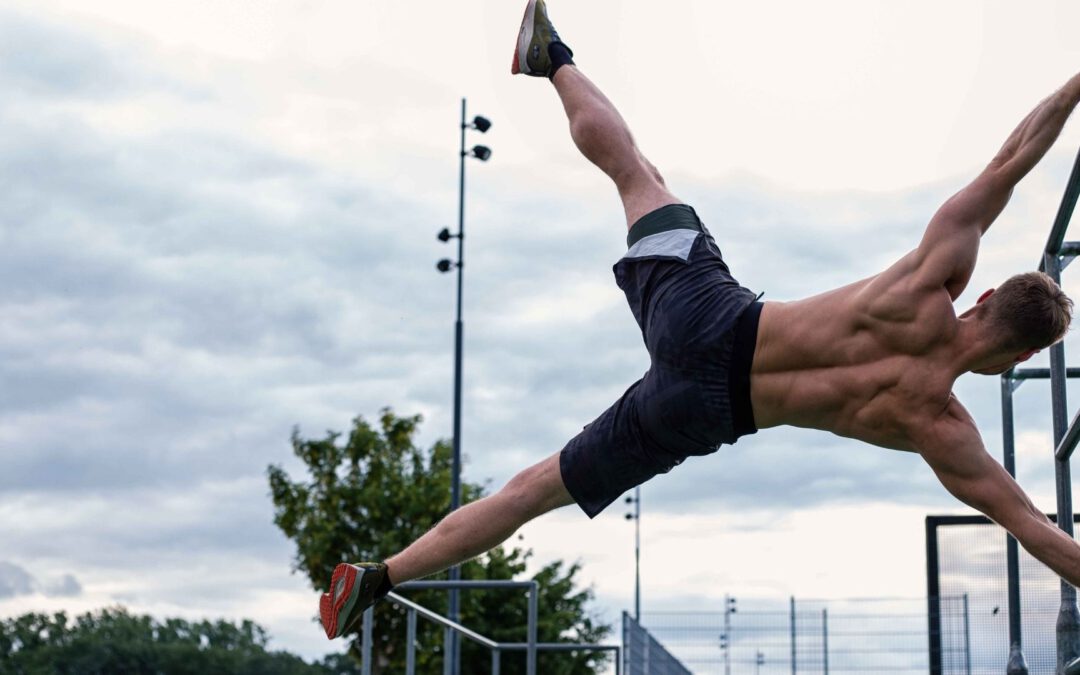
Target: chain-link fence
759,637
966,556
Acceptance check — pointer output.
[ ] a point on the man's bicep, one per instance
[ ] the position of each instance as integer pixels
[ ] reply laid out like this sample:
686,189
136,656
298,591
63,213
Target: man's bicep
950,246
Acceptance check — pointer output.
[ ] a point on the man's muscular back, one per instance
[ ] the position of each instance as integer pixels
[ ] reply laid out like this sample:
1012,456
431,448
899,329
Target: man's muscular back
873,360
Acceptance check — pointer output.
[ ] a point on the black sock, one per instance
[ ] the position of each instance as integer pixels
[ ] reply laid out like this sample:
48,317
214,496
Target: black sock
385,586
560,56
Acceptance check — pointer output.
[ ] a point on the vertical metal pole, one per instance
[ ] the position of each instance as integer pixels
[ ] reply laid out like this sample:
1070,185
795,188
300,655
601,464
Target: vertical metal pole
967,637
727,635
1016,664
825,640
1068,623
496,661
366,640
530,654
410,643
625,656
448,661
933,596
452,641
637,554
793,666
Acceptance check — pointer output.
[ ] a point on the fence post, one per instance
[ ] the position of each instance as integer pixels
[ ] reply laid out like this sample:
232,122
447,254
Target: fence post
825,639
496,666
933,596
967,638
366,640
793,667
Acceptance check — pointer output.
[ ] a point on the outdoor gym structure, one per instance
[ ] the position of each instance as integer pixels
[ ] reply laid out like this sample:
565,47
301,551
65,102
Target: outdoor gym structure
1055,257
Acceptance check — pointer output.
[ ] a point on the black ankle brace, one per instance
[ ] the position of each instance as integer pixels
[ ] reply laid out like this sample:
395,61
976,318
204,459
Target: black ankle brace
385,586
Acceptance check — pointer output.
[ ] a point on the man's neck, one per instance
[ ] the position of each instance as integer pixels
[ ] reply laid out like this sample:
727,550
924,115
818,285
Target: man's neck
973,353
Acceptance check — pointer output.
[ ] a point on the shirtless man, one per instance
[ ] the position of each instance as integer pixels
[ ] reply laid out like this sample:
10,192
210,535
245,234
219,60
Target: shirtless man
874,360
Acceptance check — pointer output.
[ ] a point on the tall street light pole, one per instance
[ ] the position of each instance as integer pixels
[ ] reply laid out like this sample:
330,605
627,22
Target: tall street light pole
636,517
483,153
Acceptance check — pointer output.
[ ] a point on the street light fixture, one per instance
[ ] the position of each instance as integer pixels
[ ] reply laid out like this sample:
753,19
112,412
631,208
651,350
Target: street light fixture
482,153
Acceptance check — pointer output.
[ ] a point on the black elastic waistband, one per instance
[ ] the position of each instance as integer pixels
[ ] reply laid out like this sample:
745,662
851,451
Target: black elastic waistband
742,358
664,219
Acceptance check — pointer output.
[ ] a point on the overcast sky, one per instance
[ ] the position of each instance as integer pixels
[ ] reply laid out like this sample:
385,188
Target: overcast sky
219,223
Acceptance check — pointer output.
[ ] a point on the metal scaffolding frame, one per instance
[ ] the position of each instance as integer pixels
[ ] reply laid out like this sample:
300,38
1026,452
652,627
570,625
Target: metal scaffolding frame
1055,257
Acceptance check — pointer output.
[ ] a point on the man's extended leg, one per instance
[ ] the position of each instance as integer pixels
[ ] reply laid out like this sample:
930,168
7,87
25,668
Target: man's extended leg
482,525
464,534
602,135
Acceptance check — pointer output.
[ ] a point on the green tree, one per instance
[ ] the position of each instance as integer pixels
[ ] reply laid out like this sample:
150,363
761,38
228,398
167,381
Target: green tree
114,642
367,496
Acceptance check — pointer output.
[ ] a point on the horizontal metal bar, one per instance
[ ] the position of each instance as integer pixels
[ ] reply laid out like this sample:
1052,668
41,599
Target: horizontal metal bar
443,621
1039,373
1065,211
1068,442
449,585
558,647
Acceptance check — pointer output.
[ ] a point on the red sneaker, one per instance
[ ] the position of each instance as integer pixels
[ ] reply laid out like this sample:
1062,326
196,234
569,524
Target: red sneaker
352,590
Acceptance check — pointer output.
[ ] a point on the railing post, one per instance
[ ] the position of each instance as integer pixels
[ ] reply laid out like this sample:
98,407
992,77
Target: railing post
496,666
410,643
530,654
448,652
367,640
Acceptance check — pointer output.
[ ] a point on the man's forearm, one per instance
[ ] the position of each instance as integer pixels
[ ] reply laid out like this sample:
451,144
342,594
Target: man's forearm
1049,544
1030,142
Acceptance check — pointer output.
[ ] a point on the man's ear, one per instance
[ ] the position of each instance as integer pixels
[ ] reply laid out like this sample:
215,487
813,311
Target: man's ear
1026,355
986,294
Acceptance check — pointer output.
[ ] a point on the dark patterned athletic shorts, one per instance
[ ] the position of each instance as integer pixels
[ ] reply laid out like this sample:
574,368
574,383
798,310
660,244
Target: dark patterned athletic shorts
699,327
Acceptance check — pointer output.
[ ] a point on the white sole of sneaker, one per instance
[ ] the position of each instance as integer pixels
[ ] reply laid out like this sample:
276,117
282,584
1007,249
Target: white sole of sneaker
525,36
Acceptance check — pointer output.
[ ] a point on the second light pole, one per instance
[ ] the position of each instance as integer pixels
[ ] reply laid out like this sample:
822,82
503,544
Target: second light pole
636,517
452,663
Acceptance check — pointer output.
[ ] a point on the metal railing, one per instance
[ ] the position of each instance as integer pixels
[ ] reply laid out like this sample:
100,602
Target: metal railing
643,654
531,646
1054,258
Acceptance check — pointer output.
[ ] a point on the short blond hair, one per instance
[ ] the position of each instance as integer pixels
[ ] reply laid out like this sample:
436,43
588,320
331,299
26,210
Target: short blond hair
1029,311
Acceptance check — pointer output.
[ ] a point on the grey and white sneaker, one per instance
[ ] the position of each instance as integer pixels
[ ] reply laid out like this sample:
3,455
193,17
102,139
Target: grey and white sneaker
536,35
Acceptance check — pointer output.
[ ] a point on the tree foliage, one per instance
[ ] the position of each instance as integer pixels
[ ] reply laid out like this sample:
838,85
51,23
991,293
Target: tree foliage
369,495
114,642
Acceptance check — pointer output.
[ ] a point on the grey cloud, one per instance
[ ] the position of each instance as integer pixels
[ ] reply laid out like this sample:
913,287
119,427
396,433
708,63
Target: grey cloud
43,61
14,580
66,587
